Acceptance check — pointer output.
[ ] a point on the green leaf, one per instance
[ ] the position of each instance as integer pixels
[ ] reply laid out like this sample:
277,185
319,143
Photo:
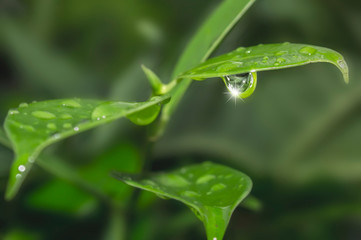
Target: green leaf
50,197
212,191
203,44
266,57
32,127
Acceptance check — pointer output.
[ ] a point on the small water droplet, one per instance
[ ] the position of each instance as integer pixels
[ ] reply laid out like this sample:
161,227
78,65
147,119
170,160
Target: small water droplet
240,49
190,194
76,129
31,160
56,135
51,126
70,103
280,60
276,64
21,168
13,112
109,109
27,127
248,51
18,175
342,64
205,179
23,105
66,116
173,180
67,125
280,53
225,67
308,50
43,115
218,186
265,58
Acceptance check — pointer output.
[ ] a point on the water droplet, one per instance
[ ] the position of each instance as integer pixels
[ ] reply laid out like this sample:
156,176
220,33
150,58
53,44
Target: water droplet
56,135
265,58
226,67
280,60
240,49
18,175
70,103
66,116
248,51
23,105
173,180
43,115
241,85
190,194
31,160
51,126
21,168
342,64
27,127
109,109
67,125
280,53
76,129
13,112
276,64
218,186
205,178
308,50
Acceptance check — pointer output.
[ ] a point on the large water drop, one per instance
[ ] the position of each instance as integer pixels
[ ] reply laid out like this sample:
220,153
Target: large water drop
241,85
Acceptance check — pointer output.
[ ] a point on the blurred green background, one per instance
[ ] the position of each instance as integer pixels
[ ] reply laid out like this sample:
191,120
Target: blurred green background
298,137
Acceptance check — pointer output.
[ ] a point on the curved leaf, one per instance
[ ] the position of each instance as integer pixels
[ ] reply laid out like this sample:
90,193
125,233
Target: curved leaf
207,38
212,191
32,127
266,57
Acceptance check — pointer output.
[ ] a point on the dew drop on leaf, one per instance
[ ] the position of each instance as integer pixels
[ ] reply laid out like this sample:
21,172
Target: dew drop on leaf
67,125
43,115
280,53
23,105
241,85
308,50
218,186
281,60
51,126
70,103
66,116
205,178
190,194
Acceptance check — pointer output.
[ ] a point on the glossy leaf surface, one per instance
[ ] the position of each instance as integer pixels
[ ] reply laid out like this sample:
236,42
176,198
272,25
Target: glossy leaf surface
266,57
32,127
212,191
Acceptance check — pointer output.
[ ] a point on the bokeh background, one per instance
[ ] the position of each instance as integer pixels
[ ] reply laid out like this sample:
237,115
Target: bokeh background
298,137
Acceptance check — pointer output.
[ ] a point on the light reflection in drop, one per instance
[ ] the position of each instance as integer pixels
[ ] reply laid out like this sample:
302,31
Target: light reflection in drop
241,85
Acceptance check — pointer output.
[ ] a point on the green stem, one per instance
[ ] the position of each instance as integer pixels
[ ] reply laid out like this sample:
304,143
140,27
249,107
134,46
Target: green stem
117,225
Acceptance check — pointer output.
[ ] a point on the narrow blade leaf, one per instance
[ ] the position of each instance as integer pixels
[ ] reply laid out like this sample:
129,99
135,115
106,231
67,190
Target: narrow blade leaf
266,57
32,127
208,37
212,191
